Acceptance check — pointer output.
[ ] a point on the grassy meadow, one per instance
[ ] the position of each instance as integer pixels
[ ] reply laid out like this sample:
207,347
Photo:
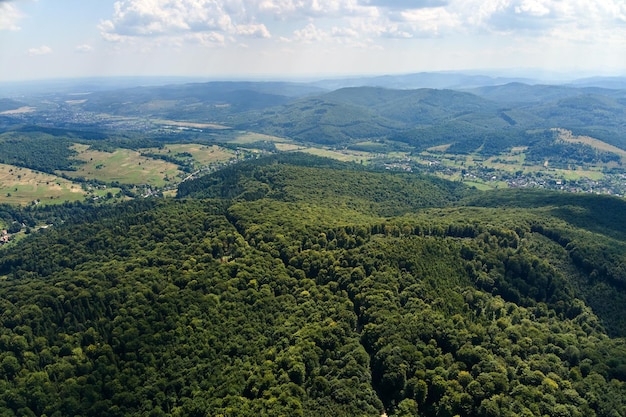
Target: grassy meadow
245,138
194,125
123,165
22,186
201,154
343,155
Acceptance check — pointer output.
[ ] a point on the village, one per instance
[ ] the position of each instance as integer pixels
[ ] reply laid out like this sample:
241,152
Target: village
611,182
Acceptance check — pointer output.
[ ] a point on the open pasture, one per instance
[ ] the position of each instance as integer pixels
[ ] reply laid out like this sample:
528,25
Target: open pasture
344,155
193,125
245,138
287,147
123,165
22,186
567,136
201,154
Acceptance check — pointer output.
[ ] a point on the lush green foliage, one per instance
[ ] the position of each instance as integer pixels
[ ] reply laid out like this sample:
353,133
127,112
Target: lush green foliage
41,152
271,303
326,182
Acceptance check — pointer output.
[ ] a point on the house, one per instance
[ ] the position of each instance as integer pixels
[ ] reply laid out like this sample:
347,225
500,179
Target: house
4,237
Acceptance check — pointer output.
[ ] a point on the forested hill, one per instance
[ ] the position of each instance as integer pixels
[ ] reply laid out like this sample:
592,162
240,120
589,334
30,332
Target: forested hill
301,177
290,292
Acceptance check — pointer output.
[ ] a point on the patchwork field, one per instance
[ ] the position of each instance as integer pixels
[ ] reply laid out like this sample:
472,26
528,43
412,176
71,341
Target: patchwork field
287,147
201,154
346,155
23,186
567,136
251,137
123,165
577,174
193,125
21,110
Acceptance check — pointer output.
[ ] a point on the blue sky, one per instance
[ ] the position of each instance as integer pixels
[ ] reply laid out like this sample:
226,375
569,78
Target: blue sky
42,39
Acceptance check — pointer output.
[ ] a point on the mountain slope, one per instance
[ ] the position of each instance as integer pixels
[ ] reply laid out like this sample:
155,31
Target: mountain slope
198,99
284,178
420,117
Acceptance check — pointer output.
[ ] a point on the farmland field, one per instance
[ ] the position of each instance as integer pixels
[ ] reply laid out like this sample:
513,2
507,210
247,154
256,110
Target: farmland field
567,136
345,156
190,124
577,174
21,110
22,186
201,154
122,165
286,147
251,137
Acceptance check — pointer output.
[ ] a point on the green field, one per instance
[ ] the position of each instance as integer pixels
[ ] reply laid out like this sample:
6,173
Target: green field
567,136
23,186
123,165
288,147
183,124
344,155
577,174
201,154
245,138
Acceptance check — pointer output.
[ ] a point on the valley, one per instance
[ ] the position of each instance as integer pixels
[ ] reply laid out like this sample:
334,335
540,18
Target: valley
525,135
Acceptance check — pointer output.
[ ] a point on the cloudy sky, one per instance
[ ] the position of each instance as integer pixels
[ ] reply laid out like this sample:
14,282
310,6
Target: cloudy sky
273,38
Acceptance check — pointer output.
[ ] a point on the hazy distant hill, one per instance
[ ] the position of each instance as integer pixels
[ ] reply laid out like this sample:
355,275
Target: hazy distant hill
464,80
618,83
439,80
197,98
519,93
320,119
422,106
491,117
9,104
361,113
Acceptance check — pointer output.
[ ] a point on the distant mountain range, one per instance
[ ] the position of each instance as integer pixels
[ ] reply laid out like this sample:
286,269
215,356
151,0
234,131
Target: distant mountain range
439,80
420,110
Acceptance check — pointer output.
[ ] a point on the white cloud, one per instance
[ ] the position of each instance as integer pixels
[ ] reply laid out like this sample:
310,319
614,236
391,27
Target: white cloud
406,4
532,8
253,30
358,20
344,32
42,50
162,17
539,17
430,21
9,16
207,22
310,33
84,48
212,39
299,9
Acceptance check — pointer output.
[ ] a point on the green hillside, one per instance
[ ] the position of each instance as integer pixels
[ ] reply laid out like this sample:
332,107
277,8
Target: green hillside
301,286
309,179
428,117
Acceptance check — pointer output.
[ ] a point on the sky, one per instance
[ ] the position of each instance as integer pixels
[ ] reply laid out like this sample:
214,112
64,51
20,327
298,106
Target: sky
234,39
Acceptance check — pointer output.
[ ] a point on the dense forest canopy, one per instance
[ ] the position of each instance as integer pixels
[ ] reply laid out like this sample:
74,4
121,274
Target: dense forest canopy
296,285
